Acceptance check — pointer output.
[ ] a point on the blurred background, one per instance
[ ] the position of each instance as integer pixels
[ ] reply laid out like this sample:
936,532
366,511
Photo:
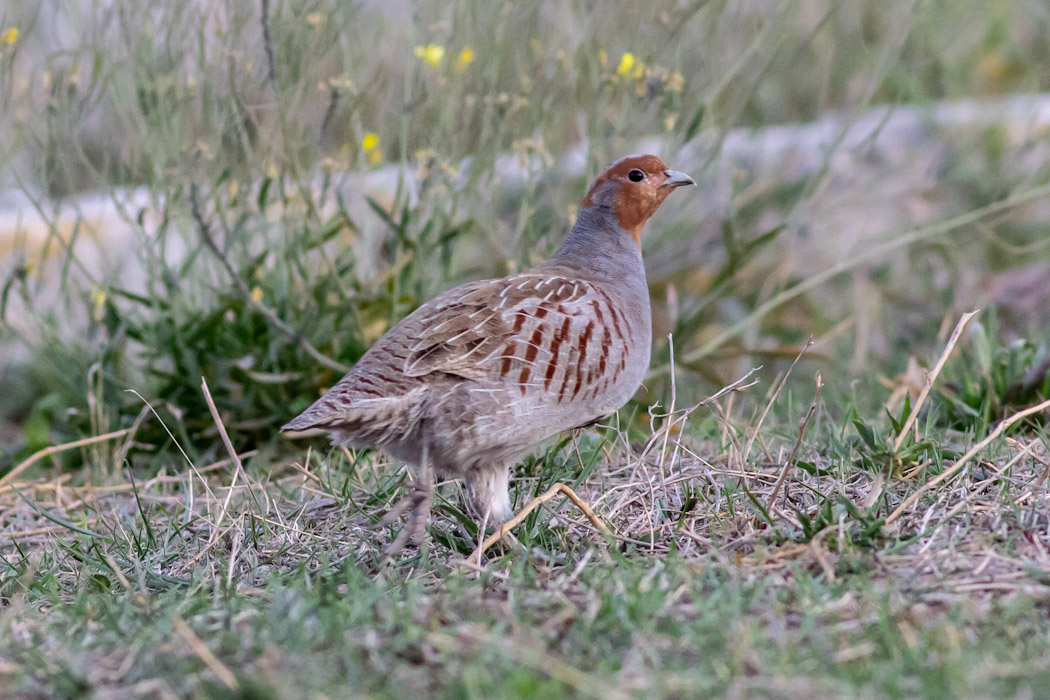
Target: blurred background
253,193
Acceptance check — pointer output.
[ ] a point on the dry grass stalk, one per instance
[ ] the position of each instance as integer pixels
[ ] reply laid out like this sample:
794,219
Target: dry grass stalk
931,377
238,469
772,400
532,505
965,459
55,449
803,424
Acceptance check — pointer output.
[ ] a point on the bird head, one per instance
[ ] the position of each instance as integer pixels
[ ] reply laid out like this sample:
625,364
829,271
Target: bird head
634,188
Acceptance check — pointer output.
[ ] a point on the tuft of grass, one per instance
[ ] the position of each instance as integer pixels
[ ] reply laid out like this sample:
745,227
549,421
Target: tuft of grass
991,379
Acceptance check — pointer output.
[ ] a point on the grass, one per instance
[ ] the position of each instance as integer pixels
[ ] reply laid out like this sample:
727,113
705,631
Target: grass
838,523
183,584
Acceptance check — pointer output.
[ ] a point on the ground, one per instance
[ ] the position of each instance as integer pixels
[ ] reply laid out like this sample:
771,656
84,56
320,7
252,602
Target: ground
269,585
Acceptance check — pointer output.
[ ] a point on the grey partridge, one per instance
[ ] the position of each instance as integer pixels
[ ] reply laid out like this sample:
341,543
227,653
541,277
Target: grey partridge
474,379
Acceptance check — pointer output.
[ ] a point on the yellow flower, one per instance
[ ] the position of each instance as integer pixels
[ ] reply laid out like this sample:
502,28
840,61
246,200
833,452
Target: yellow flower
626,64
432,54
370,145
9,36
466,57
257,294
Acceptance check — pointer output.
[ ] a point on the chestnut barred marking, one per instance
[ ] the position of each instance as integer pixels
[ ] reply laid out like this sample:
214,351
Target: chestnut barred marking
579,382
623,317
606,345
535,343
508,358
570,367
548,376
552,366
585,340
598,311
616,321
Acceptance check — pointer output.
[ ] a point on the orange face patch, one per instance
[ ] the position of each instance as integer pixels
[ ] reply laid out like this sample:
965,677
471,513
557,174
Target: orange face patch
633,202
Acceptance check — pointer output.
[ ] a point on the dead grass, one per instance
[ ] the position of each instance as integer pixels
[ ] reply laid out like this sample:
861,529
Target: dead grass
707,501
970,543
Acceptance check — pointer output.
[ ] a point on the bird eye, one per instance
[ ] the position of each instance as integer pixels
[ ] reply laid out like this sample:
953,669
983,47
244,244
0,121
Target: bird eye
636,175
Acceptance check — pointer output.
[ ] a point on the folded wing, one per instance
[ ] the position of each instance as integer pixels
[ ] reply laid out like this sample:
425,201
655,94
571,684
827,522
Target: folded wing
540,334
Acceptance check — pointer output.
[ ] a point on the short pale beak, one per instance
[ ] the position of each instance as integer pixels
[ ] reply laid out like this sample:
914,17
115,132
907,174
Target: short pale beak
676,178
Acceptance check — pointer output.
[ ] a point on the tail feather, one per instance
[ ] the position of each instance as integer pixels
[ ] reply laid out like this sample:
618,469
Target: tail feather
315,417
370,423
304,421
331,409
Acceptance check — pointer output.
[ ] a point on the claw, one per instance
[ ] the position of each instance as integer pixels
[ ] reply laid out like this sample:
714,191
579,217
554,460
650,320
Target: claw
418,504
394,514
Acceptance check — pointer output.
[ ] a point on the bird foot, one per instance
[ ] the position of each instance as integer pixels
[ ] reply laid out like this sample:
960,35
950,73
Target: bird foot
417,504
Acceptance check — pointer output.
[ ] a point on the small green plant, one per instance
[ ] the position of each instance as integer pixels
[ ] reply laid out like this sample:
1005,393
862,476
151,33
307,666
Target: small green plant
990,380
877,449
862,527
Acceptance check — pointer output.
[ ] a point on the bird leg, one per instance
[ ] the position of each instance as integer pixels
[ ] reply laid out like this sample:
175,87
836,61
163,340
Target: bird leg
425,494
418,504
505,528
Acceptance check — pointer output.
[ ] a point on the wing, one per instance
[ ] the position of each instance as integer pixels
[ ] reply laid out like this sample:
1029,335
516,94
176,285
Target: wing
543,333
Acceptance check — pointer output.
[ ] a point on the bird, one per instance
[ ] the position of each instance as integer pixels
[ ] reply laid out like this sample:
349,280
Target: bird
478,377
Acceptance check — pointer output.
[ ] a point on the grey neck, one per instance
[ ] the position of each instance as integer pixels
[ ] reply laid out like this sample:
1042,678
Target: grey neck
597,245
